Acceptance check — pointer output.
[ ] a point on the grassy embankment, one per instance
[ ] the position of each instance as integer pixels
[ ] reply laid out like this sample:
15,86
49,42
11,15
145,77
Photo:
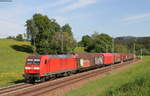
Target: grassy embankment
12,58
133,81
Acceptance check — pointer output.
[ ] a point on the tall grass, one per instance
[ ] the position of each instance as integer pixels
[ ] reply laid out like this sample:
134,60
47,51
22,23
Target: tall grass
139,87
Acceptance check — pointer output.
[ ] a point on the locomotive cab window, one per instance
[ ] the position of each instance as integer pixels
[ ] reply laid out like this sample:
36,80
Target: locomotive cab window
29,61
45,61
36,61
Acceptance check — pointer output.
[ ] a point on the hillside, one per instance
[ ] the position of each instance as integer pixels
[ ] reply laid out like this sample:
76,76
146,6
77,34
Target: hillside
140,43
133,81
12,57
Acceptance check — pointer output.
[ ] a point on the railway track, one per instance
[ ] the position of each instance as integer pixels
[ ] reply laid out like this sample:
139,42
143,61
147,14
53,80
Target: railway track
46,87
13,88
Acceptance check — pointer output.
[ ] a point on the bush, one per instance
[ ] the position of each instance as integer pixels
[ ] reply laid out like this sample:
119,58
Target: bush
19,37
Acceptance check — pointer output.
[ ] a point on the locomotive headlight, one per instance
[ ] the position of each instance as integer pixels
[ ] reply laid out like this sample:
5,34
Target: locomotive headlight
37,68
27,67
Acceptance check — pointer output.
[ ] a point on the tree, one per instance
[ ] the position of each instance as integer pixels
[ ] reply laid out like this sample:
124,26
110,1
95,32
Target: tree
97,43
19,37
87,42
120,48
63,43
67,28
10,37
40,30
46,35
103,42
68,40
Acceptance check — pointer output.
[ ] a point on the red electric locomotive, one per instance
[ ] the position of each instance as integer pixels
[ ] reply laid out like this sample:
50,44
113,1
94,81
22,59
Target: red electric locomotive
41,67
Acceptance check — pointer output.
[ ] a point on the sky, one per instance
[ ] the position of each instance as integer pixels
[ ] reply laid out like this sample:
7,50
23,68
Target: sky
113,17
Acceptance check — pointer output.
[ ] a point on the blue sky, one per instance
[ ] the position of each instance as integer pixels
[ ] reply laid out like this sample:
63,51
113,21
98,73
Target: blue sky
113,17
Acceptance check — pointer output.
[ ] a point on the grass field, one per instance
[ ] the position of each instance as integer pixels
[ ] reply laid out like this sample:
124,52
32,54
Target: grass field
133,81
12,58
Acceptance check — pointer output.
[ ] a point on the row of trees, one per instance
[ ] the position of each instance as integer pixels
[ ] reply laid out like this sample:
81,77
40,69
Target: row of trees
102,43
135,44
49,37
19,37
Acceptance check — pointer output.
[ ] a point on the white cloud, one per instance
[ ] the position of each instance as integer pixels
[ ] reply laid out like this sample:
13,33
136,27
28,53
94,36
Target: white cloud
137,17
78,4
52,4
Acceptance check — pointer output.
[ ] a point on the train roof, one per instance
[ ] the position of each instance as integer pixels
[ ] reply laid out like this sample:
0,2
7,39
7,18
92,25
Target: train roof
60,56
53,56
107,54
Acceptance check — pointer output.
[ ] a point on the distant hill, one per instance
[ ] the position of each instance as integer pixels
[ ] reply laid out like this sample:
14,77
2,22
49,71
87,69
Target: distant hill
12,60
140,43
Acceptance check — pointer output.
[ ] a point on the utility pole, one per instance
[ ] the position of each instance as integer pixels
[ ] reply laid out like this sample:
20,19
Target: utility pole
134,52
141,53
134,48
113,44
106,48
62,42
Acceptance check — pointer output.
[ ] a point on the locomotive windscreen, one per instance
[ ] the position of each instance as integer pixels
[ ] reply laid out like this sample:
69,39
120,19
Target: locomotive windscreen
33,61
36,61
29,61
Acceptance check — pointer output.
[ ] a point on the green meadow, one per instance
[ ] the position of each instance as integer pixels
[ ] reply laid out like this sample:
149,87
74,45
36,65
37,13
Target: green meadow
132,81
12,59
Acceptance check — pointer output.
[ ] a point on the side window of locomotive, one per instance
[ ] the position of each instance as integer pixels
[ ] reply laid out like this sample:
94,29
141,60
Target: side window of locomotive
45,61
37,61
29,61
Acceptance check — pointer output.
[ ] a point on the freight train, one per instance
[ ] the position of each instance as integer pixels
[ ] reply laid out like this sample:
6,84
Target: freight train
39,68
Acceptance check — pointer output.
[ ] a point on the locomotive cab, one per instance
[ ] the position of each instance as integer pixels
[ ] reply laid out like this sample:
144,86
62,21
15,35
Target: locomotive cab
32,65
32,69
